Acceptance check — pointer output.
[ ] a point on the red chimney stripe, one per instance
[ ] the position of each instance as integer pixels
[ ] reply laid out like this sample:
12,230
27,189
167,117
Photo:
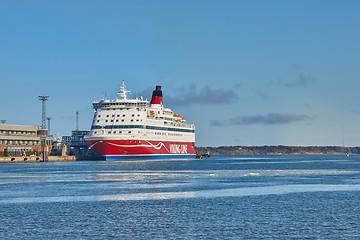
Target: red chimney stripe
156,100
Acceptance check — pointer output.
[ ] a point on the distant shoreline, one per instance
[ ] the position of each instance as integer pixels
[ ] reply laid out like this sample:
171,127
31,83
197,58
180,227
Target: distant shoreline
226,150
280,149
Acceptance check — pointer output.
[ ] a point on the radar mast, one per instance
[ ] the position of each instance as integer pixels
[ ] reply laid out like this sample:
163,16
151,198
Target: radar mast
122,91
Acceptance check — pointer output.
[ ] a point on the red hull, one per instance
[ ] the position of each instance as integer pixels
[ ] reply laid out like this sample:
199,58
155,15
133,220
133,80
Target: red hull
121,149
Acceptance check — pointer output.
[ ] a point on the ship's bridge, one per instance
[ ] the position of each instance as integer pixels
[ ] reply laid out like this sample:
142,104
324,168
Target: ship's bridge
122,102
116,104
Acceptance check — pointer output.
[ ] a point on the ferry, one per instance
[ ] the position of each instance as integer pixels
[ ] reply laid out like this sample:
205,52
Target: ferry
124,129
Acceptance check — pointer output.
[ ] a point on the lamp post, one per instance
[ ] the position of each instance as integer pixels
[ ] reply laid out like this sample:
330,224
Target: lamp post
43,132
43,98
77,121
48,119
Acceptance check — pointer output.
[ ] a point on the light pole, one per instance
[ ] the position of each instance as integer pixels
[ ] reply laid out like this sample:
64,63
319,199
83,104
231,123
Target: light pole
48,119
77,121
43,98
43,132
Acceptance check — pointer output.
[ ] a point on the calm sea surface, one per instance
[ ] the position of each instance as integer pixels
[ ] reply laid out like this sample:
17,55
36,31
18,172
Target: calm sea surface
221,197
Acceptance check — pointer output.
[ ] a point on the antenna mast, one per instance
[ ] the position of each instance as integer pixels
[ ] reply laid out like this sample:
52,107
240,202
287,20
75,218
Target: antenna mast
43,119
48,118
122,91
77,121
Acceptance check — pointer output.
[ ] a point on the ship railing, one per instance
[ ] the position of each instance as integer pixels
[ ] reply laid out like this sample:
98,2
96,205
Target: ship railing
180,125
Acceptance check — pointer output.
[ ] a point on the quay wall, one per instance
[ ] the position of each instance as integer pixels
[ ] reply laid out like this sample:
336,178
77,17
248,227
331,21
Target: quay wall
37,159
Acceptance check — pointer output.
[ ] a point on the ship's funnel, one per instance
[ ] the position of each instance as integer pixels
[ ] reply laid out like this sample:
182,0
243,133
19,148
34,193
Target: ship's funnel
157,96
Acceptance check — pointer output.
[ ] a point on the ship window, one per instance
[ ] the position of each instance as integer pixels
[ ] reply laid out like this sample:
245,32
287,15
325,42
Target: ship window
120,132
107,115
109,132
117,120
113,115
124,115
122,120
133,115
118,116
99,115
129,131
98,121
132,120
112,120
106,120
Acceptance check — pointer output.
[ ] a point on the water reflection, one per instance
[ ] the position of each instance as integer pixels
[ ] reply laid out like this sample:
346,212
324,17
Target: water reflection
233,192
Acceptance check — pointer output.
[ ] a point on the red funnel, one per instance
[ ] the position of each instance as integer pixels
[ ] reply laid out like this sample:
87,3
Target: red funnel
157,96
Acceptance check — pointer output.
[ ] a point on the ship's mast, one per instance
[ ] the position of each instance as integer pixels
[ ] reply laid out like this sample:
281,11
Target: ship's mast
122,91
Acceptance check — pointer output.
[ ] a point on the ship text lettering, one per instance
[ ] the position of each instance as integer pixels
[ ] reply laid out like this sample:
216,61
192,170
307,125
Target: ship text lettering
178,148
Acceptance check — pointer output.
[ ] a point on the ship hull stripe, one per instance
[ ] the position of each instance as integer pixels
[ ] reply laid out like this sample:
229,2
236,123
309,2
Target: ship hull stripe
148,156
129,149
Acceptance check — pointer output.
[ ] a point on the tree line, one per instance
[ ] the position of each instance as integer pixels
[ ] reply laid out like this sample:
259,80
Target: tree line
279,149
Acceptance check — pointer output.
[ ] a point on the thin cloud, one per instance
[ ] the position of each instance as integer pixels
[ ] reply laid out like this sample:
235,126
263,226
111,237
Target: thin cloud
302,81
217,123
307,105
268,119
204,96
146,93
356,111
192,95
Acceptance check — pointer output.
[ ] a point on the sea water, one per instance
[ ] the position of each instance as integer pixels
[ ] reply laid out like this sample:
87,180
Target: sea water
221,197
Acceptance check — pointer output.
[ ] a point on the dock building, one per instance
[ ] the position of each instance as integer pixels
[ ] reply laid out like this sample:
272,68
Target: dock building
19,140
76,144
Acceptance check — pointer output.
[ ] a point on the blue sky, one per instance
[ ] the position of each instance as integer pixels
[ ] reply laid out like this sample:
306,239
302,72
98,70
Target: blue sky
245,72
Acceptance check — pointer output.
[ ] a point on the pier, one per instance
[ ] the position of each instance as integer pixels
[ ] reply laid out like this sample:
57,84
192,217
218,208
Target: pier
37,159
